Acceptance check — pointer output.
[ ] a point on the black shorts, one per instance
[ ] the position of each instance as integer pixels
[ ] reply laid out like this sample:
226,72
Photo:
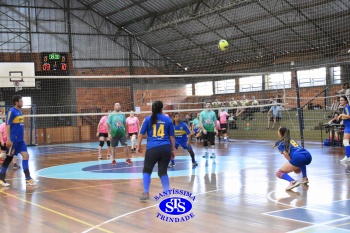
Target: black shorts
130,134
3,147
105,135
210,136
223,126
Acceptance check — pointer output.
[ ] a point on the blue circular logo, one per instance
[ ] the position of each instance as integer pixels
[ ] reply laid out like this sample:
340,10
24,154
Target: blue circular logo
175,206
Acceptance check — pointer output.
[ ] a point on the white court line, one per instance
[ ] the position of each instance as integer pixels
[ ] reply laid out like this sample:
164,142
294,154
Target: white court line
135,211
324,224
105,169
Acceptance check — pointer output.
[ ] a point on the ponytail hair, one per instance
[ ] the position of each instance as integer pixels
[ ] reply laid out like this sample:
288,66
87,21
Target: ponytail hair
285,133
157,107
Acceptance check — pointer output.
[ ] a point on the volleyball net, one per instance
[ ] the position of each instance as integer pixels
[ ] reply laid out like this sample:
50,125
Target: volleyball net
68,109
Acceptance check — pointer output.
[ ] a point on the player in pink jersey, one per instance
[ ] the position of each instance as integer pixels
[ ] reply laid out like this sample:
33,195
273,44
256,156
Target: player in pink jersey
102,135
223,115
3,151
3,139
133,125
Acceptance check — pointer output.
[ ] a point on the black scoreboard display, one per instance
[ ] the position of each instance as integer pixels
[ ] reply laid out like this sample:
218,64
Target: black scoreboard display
54,62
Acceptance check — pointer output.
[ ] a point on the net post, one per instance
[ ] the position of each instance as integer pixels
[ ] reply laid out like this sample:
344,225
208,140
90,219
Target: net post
300,111
33,133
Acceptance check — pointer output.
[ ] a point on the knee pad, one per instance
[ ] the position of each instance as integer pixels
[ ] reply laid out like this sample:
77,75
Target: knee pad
108,143
102,143
279,173
224,131
346,142
133,138
205,143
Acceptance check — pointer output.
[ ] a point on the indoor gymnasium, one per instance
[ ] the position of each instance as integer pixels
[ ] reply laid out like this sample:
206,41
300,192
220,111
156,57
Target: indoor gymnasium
175,116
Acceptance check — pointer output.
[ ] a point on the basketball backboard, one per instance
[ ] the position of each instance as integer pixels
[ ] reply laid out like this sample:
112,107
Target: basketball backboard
13,73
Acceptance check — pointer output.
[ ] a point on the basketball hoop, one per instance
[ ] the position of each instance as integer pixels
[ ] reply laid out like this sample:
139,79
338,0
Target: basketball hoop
17,84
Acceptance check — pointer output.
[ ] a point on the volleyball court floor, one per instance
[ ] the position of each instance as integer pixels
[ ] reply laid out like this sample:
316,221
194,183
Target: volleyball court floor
235,192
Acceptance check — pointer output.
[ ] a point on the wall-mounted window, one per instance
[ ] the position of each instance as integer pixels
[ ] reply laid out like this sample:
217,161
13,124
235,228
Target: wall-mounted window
225,86
336,75
278,81
310,78
204,88
252,83
189,89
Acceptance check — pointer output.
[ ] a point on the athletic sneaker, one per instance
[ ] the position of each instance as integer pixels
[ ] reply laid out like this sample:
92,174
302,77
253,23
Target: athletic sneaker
99,156
195,164
171,164
128,161
144,197
30,182
109,156
15,166
304,181
345,159
4,184
292,185
212,156
205,155
114,162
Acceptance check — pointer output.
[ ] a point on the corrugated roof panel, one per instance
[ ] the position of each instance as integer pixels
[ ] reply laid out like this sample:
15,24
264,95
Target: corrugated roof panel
176,45
244,12
160,5
124,16
192,27
160,36
206,37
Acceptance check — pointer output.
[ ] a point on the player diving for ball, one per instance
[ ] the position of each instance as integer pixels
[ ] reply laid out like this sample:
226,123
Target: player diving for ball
182,138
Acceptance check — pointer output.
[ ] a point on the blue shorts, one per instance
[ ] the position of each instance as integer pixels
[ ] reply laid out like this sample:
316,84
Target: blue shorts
300,159
183,145
17,147
347,129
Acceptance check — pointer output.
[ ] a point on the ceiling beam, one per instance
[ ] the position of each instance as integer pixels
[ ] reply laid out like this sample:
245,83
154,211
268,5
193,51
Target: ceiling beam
159,14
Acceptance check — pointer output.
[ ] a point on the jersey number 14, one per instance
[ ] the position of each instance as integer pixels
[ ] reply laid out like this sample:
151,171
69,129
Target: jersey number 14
158,132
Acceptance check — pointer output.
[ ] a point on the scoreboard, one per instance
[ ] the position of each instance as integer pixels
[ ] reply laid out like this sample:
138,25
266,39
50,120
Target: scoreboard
54,62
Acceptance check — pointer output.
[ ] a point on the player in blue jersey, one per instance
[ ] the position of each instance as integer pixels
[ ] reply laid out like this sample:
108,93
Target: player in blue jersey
160,146
345,116
15,141
297,158
183,139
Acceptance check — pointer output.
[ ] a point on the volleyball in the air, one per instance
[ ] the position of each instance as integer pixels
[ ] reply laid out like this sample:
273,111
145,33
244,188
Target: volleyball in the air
223,45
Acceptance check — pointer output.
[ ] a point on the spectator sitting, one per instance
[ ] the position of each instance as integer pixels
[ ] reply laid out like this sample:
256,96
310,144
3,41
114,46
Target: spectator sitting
243,102
249,111
345,90
232,103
